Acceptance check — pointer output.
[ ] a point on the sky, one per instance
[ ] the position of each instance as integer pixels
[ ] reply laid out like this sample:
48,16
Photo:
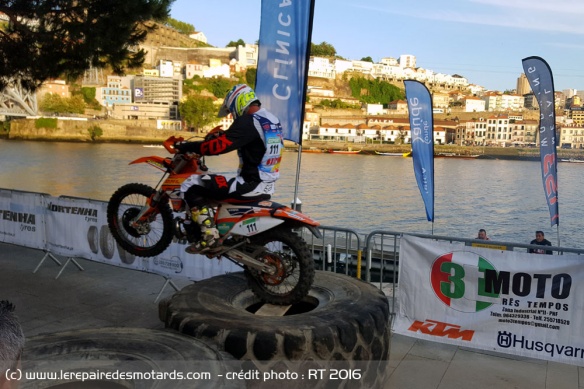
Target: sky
482,40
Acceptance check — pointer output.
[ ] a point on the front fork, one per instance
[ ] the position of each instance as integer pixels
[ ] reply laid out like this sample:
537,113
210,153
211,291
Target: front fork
148,210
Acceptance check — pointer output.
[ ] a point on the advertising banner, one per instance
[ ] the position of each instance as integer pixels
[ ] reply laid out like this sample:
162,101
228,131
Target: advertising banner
284,47
72,227
540,79
77,228
22,218
422,131
504,301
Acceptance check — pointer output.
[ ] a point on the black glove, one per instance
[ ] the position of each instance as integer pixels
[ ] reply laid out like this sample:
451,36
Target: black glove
185,147
181,147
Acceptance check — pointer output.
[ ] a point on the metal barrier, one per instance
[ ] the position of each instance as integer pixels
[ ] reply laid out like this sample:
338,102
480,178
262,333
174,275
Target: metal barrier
339,250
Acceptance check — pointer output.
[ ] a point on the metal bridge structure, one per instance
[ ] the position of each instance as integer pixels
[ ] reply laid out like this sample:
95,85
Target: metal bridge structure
17,101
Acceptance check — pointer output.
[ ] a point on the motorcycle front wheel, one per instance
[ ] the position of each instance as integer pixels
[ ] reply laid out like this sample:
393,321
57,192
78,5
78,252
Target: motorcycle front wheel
144,239
288,255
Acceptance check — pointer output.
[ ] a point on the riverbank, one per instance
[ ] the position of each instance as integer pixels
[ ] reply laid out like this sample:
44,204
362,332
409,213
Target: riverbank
142,132
508,153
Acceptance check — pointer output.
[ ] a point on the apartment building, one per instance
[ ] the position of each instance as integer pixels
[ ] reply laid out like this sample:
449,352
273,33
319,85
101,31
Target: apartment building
572,136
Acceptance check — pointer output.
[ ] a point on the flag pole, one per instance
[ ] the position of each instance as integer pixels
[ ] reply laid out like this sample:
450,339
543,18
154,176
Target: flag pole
296,184
303,105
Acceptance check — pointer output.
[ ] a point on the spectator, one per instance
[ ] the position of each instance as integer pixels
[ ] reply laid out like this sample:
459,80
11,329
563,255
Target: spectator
11,344
482,234
540,240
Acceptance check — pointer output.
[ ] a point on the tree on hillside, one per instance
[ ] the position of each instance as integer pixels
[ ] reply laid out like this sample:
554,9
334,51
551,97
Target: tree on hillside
323,49
250,76
54,38
367,59
198,111
181,27
374,91
54,103
219,86
240,42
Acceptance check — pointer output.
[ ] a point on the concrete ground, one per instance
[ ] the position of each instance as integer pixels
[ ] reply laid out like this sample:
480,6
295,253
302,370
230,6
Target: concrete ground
103,296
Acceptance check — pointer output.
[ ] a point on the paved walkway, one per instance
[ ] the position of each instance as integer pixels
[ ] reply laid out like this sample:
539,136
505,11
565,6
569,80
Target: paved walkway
104,295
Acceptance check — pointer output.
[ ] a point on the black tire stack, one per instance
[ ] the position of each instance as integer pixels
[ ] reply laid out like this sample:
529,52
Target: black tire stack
118,351
342,326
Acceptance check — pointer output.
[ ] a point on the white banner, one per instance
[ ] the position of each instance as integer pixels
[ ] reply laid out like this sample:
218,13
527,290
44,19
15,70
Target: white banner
78,228
22,218
509,302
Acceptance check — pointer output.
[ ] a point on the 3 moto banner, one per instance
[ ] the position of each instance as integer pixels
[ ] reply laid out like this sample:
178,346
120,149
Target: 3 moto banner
485,298
77,228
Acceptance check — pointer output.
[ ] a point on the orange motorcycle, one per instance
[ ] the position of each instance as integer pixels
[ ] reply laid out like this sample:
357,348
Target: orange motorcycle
256,234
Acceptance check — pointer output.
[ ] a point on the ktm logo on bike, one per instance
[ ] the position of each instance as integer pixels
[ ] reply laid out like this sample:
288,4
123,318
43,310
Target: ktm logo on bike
437,328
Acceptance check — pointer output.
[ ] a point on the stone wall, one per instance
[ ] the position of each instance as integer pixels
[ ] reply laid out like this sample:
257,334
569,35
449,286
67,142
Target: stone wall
134,131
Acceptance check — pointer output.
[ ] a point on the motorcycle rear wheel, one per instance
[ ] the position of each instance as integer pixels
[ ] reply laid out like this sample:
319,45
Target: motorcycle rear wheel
123,206
294,268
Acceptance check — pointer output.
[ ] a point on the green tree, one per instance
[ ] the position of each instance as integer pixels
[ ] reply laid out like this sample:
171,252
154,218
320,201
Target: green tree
374,91
95,132
198,111
53,103
250,76
368,59
323,49
54,38
182,27
88,94
240,42
219,86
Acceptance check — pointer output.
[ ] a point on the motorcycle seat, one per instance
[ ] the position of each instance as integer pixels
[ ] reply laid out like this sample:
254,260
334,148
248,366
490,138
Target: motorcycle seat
238,199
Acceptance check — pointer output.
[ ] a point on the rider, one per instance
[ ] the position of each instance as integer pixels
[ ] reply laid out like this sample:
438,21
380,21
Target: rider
256,134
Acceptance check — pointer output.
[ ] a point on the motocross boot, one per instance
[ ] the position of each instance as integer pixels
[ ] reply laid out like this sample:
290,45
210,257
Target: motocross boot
209,232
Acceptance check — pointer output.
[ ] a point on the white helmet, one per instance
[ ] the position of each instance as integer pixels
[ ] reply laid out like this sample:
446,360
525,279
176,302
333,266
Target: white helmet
237,100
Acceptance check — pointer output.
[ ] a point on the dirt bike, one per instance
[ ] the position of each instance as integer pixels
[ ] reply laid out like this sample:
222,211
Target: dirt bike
256,234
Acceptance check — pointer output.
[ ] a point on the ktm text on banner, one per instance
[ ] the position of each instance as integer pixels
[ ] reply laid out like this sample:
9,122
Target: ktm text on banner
505,301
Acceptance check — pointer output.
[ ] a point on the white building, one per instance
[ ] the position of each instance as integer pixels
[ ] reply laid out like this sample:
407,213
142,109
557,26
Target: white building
198,36
247,56
165,68
498,131
321,67
375,109
474,104
511,102
193,69
407,61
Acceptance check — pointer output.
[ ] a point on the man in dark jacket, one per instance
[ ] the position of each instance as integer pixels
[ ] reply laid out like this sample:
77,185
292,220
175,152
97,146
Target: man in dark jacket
540,240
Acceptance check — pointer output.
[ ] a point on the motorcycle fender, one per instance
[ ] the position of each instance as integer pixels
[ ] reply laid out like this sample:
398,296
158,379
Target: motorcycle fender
289,213
254,225
156,161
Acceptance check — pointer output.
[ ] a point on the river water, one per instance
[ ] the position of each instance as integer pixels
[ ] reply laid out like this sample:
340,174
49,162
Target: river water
359,192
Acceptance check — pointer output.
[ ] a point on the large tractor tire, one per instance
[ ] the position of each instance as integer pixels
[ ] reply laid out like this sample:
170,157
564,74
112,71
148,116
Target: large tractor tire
341,326
125,350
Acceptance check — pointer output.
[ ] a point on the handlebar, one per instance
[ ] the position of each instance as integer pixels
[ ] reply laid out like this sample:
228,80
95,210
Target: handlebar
169,144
